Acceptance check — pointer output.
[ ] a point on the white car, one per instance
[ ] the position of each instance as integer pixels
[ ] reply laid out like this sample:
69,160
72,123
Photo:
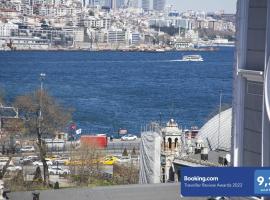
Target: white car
32,158
129,137
56,170
39,163
27,149
14,168
124,159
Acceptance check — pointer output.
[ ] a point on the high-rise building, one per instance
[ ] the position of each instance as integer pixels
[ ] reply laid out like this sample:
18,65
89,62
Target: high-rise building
93,2
159,5
133,3
146,5
251,110
113,4
119,3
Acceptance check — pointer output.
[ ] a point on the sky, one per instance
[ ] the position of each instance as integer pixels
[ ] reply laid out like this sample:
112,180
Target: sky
229,6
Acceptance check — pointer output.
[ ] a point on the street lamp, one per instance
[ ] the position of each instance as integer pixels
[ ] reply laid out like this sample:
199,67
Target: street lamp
42,78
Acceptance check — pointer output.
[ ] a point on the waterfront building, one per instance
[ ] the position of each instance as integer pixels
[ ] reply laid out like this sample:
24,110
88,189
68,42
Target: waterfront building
26,43
183,44
159,5
251,124
96,22
6,29
176,22
146,5
116,36
134,38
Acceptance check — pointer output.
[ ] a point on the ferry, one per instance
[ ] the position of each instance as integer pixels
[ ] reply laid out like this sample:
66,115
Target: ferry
192,58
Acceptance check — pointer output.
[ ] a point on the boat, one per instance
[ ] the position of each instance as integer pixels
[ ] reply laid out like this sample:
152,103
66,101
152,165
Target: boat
160,50
192,58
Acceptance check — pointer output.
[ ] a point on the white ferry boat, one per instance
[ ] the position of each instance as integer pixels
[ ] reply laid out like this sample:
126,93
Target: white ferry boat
192,58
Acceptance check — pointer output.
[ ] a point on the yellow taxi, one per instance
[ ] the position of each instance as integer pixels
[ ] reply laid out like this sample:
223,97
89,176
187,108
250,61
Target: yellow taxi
53,157
80,162
109,160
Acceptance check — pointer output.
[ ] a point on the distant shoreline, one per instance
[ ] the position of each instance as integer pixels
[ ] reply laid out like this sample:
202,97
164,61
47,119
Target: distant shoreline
120,50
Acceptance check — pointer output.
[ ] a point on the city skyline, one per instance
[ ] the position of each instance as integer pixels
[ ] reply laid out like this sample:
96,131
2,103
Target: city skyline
229,6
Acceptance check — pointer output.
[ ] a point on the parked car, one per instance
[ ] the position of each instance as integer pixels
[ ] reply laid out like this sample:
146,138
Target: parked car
39,163
14,168
60,161
25,161
124,159
54,170
4,160
129,137
109,160
27,149
32,158
54,157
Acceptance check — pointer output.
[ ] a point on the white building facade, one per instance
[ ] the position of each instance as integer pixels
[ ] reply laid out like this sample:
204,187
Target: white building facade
7,28
251,116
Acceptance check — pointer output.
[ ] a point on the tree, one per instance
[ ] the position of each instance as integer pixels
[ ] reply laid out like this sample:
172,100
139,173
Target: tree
86,162
133,153
42,116
125,153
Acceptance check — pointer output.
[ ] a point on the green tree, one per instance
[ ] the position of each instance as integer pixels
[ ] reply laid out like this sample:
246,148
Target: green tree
54,118
133,153
125,153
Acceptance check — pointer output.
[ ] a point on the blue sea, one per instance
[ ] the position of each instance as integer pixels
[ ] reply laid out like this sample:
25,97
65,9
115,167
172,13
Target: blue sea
112,90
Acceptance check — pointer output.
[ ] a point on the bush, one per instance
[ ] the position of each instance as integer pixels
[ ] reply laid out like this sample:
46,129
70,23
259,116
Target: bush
56,185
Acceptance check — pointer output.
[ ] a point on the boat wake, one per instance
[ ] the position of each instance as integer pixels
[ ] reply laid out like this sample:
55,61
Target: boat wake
180,60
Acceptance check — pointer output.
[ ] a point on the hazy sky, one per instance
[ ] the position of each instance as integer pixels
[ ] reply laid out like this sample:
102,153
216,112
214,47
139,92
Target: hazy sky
229,6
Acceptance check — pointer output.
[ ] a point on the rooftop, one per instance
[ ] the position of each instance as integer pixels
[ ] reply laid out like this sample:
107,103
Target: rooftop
123,192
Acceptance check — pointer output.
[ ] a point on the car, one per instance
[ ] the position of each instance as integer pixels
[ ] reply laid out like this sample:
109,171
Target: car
109,160
39,163
13,168
27,149
218,198
54,157
124,159
28,159
60,161
56,170
129,137
32,158
4,160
